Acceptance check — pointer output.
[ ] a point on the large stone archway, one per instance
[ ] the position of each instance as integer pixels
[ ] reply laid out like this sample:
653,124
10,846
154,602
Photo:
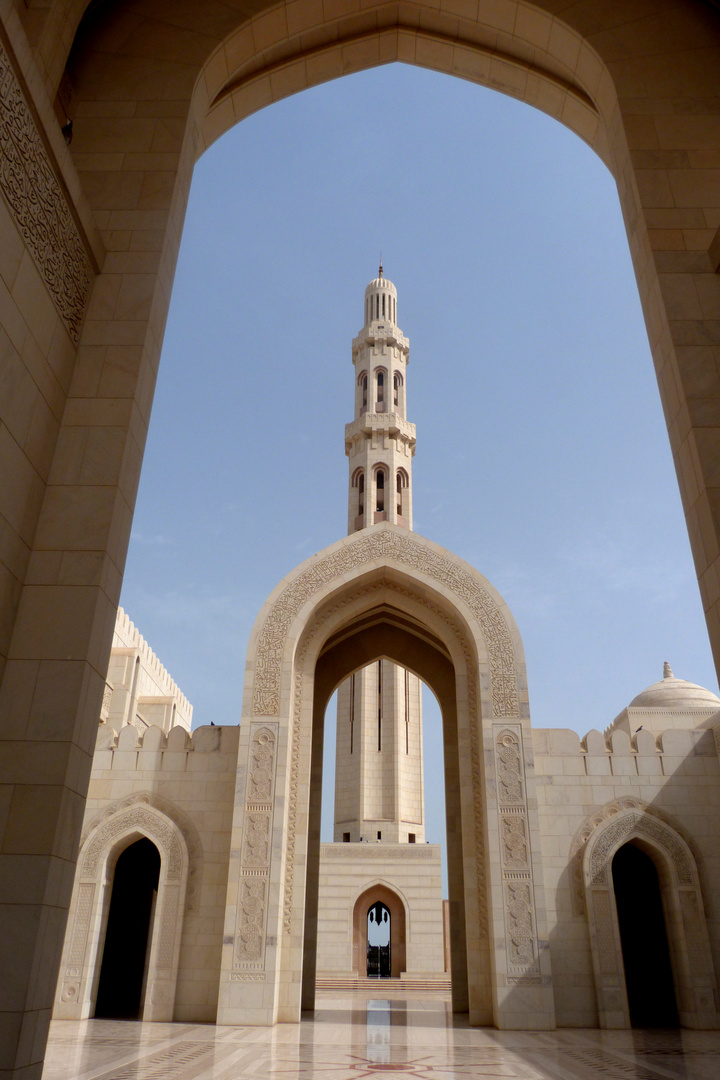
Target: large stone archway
89,236
386,592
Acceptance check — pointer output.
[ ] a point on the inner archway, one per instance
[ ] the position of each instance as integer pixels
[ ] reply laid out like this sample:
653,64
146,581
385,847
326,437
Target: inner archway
387,633
368,910
128,935
643,934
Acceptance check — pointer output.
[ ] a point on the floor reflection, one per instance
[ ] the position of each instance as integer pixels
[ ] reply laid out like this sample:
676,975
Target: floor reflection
355,1037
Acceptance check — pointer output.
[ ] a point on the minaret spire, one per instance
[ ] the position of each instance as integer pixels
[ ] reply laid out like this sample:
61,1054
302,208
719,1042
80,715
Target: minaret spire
380,443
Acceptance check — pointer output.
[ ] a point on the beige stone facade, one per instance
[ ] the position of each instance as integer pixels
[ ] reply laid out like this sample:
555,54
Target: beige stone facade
89,234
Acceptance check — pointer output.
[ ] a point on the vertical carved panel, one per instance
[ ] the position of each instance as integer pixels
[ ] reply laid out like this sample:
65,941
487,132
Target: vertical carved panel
518,892
249,954
39,205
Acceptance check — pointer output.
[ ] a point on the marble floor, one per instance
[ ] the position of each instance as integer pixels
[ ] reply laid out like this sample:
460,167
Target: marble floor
359,1036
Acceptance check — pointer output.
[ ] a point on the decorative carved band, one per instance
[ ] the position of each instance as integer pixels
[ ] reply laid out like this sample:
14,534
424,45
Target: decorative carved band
249,939
643,825
405,550
147,822
37,201
262,755
520,934
378,852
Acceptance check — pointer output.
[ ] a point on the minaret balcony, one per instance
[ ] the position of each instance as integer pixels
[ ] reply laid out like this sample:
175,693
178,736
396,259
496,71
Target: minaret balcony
380,333
371,422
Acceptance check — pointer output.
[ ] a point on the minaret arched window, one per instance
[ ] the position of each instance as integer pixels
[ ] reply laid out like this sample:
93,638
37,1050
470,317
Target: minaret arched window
361,493
397,383
401,481
380,490
380,395
362,382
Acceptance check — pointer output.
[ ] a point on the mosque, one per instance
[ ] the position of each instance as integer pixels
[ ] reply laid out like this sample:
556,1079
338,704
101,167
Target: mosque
583,874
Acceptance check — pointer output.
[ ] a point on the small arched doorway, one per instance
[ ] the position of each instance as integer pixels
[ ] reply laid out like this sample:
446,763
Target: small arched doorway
644,939
378,952
128,937
388,934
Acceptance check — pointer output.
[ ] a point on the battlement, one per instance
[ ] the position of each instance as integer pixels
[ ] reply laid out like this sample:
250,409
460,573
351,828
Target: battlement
619,754
210,739
128,637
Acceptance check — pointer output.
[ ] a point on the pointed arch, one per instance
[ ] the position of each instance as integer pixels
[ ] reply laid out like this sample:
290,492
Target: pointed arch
388,593
389,895
693,970
80,969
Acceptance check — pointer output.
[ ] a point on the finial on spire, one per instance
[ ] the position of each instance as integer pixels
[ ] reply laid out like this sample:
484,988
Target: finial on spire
380,271
667,671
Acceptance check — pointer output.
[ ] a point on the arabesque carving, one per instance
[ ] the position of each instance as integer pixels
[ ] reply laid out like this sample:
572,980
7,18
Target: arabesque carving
249,942
403,549
147,822
644,825
39,206
262,753
509,769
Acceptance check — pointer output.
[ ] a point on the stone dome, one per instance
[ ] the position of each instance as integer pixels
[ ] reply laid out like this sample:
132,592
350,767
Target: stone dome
671,693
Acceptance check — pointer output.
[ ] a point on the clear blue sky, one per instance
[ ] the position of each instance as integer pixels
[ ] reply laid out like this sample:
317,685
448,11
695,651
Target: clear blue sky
542,455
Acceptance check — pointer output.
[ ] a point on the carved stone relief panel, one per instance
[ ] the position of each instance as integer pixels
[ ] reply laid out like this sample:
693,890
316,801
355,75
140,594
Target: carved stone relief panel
520,932
262,766
408,552
39,205
249,954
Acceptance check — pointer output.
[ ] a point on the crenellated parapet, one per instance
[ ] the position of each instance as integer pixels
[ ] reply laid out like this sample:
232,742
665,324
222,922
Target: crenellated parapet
146,749
561,751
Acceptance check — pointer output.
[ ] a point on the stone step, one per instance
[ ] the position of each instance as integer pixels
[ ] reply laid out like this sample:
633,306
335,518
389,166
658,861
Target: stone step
350,985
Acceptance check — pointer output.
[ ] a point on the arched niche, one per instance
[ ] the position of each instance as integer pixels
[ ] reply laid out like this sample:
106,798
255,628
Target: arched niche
387,593
396,905
80,968
691,959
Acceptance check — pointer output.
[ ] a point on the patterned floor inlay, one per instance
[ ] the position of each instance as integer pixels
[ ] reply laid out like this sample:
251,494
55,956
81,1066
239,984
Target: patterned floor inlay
358,1038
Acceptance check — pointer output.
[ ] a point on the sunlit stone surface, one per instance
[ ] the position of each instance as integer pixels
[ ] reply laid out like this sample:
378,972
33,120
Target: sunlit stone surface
347,1038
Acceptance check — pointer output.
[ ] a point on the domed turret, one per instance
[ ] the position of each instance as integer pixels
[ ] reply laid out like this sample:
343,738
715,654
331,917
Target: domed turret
672,693
669,703
380,300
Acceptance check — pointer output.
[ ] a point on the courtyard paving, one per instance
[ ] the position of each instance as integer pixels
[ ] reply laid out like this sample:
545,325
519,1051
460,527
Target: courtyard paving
351,1037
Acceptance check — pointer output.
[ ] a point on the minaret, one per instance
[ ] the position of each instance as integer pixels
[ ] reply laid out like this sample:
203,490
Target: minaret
379,762
380,442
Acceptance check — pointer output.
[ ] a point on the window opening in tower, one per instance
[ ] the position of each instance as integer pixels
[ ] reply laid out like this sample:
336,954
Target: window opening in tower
380,490
352,711
379,705
380,386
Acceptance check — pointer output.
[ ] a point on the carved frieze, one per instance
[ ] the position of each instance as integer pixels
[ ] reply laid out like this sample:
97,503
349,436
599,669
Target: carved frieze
152,825
251,921
636,822
509,771
262,759
39,205
408,552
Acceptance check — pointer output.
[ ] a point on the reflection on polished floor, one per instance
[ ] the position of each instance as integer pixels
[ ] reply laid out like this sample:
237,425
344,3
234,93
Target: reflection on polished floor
359,1036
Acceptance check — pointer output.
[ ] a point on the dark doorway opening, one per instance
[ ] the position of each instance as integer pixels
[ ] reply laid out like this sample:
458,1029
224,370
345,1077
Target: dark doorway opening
643,935
123,972
379,964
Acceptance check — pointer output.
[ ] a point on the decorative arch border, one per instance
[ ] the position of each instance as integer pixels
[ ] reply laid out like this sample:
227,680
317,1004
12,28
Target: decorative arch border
121,825
688,938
